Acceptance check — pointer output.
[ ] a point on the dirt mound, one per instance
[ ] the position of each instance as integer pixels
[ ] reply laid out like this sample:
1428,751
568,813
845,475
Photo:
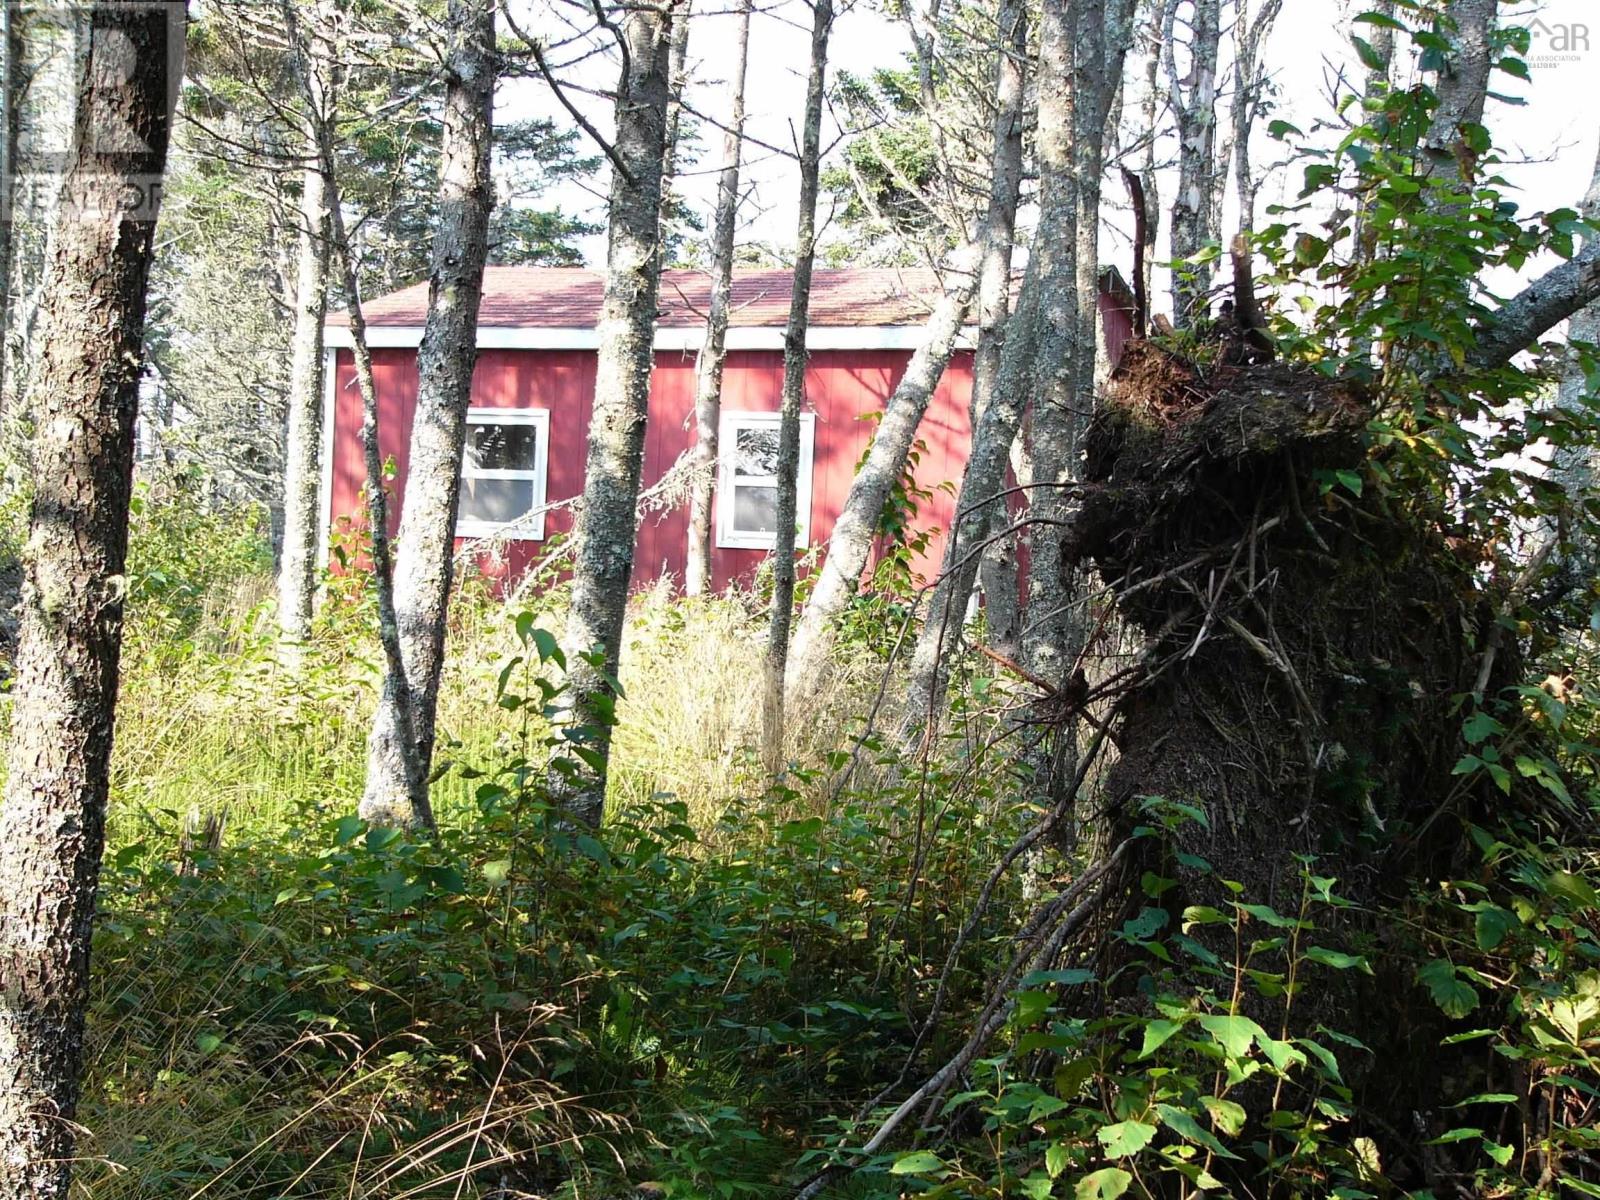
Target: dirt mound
1312,643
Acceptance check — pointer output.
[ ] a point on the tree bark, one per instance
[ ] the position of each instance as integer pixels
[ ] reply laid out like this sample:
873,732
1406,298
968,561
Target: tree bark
857,523
1373,91
52,824
1570,535
996,394
708,370
297,565
1536,309
1195,109
1249,80
1082,44
603,557
1462,87
677,81
445,361
13,47
794,383
361,357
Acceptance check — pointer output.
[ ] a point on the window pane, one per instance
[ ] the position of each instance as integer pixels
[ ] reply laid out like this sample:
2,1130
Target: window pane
755,509
756,451
501,447
495,500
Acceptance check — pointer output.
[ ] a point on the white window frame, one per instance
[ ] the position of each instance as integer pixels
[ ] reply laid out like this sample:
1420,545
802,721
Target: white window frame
730,538
528,529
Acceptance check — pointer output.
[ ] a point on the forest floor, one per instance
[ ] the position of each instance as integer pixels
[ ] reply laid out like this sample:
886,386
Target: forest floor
288,1003
739,978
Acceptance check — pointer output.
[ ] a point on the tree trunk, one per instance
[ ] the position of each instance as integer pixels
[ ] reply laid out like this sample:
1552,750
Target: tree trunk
996,407
1573,466
1082,47
13,47
377,498
297,565
1195,109
52,824
1249,80
794,383
708,371
1462,87
677,81
603,558
1376,87
857,523
445,361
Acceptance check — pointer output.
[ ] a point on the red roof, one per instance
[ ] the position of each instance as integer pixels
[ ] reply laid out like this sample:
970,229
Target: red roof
569,298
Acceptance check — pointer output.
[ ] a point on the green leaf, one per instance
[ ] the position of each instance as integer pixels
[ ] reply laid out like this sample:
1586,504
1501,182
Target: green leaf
918,1162
1486,1098
208,1042
1125,1137
1493,926
1225,1114
1479,726
1452,994
1455,1135
1233,1034
1202,914
1105,1184
1370,58
1572,887
1190,1130
1056,1158
1157,1034
1380,19
1338,959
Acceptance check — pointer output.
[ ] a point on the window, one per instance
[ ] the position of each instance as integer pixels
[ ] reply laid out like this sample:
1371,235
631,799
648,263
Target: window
503,473
747,480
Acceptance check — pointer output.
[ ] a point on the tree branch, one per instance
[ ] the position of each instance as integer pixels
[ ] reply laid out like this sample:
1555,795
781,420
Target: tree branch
1538,308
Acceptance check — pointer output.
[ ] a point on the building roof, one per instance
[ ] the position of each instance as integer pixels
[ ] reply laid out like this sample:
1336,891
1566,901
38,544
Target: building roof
569,298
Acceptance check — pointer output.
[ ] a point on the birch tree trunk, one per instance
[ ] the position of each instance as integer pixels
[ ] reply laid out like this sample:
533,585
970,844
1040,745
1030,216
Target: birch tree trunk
297,565
708,370
857,523
996,389
677,81
86,393
1249,83
445,361
1573,466
361,357
1381,39
603,557
1462,87
794,384
1082,44
1194,106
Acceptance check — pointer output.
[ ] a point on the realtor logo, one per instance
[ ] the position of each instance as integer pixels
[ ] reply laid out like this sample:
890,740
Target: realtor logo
1552,42
49,48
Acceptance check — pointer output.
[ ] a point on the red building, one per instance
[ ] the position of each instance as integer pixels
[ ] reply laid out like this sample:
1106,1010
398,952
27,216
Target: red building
533,389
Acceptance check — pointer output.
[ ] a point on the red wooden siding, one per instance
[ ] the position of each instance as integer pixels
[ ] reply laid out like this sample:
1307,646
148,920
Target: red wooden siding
842,386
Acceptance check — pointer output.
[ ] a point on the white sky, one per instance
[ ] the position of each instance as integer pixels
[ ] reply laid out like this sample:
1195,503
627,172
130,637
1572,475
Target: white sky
1551,140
